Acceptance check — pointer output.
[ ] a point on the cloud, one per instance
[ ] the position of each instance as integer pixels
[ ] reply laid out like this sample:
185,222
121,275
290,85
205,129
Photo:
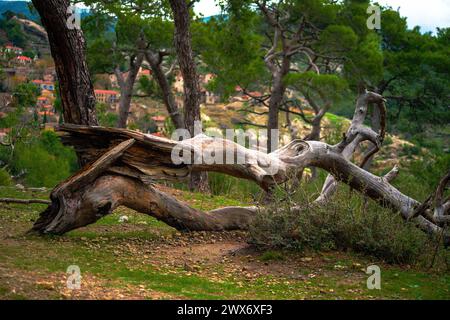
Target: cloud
428,14
207,8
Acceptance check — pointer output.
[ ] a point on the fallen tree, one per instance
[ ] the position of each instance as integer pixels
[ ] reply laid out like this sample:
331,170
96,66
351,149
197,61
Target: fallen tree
124,167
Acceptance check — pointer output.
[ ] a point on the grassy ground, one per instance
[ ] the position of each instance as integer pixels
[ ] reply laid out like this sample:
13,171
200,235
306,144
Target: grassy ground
145,259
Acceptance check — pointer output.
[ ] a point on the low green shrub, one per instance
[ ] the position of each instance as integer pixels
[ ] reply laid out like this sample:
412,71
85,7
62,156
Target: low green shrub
5,178
271,255
388,140
221,184
410,151
343,224
43,161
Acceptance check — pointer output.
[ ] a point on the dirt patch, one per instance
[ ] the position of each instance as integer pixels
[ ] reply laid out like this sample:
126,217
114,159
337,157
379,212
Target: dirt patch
221,255
38,285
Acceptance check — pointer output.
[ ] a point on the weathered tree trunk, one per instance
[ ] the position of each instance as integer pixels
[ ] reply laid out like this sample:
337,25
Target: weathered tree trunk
106,193
126,88
316,125
187,63
183,46
319,113
375,123
276,98
123,164
155,61
355,135
133,161
68,51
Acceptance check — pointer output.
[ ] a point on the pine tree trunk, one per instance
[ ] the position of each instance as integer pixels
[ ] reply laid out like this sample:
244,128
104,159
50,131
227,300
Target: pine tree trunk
183,46
68,51
126,90
276,98
316,129
168,98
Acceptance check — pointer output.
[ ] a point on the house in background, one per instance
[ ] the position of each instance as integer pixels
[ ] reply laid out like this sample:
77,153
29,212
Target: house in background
109,97
23,60
48,116
9,48
45,85
243,96
207,97
144,73
159,121
42,101
49,77
48,94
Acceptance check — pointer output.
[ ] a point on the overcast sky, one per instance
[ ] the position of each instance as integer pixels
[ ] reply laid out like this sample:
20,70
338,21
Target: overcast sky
428,14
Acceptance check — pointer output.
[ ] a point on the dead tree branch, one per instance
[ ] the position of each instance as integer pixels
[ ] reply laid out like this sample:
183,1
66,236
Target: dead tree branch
126,164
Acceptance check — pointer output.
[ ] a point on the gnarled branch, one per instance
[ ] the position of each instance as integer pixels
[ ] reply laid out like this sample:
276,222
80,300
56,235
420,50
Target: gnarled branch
126,164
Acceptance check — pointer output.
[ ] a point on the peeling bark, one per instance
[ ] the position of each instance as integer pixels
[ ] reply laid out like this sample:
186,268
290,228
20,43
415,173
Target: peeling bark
355,135
180,8
68,51
126,164
187,63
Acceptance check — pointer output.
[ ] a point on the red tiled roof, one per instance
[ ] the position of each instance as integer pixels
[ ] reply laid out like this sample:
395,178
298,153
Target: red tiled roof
158,118
48,113
42,82
255,94
23,58
9,46
111,92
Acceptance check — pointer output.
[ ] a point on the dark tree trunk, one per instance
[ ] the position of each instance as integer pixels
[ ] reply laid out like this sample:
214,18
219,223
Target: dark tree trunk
183,46
155,63
272,123
187,64
126,89
316,129
124,165
375,123
276,98
68,51
314,135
